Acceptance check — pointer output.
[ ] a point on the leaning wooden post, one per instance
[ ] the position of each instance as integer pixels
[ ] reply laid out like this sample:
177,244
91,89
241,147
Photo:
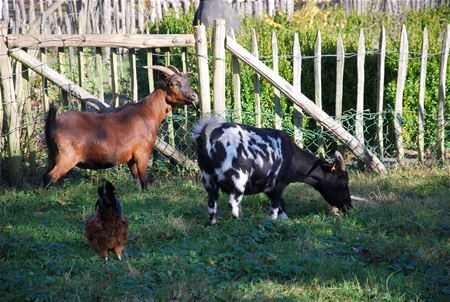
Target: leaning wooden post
219,67
359,127
441,105
236,83
256,82
298,114
380,91
401,79
276,92
57,78
318,85
11,111
307,105
203,68
421,113
340,59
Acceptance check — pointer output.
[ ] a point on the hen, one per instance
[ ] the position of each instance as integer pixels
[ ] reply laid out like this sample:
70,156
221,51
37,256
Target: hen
107,229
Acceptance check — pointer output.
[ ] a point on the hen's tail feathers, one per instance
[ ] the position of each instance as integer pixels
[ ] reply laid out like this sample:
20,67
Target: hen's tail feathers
108,201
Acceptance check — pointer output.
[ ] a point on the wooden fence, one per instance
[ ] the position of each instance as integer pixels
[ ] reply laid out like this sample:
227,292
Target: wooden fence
130,16
17,78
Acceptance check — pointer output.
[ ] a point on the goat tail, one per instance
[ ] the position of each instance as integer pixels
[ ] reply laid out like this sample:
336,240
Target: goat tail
49,126
208,123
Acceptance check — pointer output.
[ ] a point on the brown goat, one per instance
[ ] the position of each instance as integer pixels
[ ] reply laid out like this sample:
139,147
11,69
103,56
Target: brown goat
102,140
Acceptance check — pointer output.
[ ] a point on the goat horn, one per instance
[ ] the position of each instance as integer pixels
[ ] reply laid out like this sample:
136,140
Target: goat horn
164,69
173,68
340,160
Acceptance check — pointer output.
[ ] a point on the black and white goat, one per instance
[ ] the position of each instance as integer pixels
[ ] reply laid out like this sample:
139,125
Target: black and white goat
243,160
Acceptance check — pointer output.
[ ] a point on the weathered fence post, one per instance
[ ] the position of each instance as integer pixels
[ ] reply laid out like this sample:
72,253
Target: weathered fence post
441,105
401,79
11,111
380,91
298,114
423,75
236,85
359,127
340,57
256,82
114,78
99,71
318,85
276,92
219,67
133,70
203,68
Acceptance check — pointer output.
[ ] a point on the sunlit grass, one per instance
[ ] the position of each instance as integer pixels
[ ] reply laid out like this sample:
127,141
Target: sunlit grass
171,254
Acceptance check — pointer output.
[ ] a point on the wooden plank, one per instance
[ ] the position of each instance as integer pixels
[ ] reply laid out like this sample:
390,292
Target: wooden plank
298,114
81,71
256,82
318,86
307,105
114,78
141,24
61,69
340,60
133,71
276,92
11,112
107,27
359,123
186,111
219,67
44,95
441,104
236,84
58,79
94,40
99,72
150,78
169,116
28,116
421,108
401,79
380,91
203,68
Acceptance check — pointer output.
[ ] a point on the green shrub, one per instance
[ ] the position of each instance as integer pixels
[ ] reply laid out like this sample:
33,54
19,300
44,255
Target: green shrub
306,22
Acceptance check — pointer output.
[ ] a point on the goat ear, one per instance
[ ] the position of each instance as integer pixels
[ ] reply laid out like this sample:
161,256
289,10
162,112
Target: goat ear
187,74
339,162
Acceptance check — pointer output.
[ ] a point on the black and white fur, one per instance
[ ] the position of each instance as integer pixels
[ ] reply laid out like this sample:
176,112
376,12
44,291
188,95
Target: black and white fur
242,160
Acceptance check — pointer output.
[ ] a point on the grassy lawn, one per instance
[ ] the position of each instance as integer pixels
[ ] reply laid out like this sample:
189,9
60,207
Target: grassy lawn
393,247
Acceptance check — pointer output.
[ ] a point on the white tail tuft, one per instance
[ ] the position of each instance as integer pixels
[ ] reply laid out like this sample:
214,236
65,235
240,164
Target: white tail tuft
214,121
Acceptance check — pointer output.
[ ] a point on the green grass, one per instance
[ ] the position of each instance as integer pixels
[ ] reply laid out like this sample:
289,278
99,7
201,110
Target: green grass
171,255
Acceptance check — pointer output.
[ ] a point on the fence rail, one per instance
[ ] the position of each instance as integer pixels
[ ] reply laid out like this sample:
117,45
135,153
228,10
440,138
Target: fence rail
82,64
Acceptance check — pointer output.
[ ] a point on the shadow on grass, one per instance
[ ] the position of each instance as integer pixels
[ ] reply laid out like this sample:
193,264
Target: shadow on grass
171,255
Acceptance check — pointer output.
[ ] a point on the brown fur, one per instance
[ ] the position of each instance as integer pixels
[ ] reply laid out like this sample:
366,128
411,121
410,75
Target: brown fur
103,140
